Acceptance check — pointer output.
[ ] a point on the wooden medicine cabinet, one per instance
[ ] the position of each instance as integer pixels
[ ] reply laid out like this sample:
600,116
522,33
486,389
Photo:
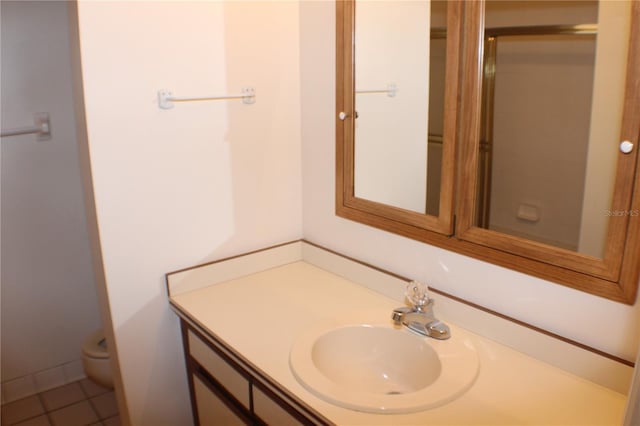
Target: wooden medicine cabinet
502,130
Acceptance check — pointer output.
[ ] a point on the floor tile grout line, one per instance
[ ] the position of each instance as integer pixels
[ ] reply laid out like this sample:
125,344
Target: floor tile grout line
65,406
46,412
86,394
62,407
25,419
95,410
101,392
44,407
89,399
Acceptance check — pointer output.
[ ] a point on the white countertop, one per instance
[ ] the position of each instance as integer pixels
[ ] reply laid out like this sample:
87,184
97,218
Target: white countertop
260,315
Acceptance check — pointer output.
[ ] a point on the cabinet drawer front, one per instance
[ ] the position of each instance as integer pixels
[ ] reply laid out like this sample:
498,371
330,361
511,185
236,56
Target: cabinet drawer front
234,382
270,412
211,410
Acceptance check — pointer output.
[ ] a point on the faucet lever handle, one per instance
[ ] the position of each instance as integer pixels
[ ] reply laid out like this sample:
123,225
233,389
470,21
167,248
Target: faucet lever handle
416,293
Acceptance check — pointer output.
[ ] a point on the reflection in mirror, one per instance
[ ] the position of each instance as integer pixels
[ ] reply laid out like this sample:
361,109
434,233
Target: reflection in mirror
437,70
398,126
527,164
549,137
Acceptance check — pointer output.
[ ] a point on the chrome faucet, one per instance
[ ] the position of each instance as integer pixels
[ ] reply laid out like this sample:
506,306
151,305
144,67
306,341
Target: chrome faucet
419,316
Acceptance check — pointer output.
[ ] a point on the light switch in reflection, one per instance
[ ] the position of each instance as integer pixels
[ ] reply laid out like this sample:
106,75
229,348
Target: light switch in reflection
528,212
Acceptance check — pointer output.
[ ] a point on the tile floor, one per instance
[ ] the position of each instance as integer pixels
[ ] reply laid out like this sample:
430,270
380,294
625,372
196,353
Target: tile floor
74,404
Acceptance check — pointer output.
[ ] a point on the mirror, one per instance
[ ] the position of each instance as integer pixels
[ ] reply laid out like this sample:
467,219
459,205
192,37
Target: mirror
568,187
497,122
397,91
398,127
552,72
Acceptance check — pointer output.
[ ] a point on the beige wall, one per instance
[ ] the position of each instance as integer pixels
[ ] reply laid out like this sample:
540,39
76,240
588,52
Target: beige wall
178,187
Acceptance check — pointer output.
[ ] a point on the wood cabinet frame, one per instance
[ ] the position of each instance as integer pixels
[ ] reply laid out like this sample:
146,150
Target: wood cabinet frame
347,203
615,276
255,379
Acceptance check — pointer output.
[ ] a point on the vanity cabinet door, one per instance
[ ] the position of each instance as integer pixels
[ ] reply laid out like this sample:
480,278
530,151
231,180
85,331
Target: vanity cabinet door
231,379
225,392
272,413
212,410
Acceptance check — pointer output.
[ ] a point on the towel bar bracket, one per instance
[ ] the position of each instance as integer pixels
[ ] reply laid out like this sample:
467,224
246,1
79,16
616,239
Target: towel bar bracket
41,128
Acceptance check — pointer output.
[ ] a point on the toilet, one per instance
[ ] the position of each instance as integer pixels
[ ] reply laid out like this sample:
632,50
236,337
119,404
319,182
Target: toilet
95,359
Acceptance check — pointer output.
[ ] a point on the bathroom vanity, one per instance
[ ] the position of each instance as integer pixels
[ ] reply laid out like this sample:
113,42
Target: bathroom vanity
242,316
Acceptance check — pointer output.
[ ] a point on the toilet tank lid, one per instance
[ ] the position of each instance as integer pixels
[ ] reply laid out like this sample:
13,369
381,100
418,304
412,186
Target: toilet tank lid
95,345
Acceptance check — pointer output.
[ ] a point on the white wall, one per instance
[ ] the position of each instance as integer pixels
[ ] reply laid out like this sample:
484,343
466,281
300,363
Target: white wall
49,302
610,326
178,187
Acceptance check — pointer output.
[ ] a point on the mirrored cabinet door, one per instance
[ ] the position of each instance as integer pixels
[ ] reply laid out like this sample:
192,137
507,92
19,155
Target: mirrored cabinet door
555,97
398,67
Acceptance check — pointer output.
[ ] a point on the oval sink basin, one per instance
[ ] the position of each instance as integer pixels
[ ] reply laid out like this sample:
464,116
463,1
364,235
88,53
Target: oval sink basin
378,368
